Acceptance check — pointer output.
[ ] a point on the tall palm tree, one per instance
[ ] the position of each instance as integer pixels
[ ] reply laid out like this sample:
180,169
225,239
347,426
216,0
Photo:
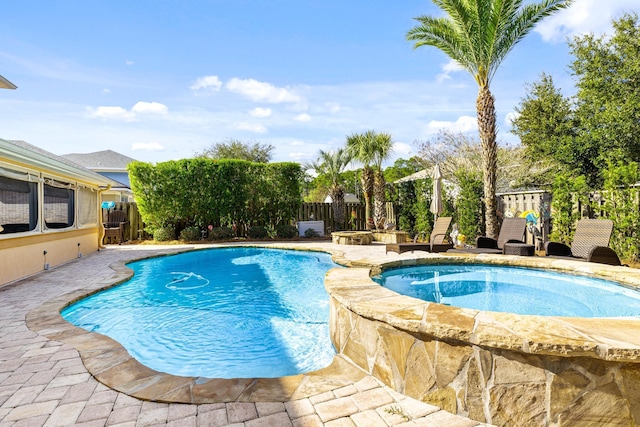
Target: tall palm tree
478,34
332,164
382,149
360,147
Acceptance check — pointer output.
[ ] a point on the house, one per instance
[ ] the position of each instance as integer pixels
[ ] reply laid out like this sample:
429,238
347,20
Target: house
49,210
348,198
112,165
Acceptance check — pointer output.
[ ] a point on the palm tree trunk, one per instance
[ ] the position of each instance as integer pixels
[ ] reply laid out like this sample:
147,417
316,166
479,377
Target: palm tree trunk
367,190
338,205
486,109
379,197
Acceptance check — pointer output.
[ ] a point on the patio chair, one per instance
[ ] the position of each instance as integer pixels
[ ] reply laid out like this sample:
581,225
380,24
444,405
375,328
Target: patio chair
511,231
590,243
436,241
114,227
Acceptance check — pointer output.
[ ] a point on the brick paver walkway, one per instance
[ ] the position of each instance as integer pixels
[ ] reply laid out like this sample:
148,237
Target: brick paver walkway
44,383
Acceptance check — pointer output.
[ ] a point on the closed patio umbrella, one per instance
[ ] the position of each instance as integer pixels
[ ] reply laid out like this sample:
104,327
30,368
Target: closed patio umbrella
436,197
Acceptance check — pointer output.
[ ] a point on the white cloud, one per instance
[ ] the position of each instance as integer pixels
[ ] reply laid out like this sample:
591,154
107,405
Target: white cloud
402,150
300,157
510,117
463,124
297,143
450,67
333,107
146,146
105,90
208,83
128,62
251,127
304,117
261,112
261,91
119,113
149,108
111,112
583,17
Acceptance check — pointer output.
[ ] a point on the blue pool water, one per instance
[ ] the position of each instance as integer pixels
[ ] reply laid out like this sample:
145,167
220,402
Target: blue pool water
219,313
514,290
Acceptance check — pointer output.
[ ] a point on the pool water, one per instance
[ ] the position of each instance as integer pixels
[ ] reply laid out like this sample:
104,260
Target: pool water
514,290
219,313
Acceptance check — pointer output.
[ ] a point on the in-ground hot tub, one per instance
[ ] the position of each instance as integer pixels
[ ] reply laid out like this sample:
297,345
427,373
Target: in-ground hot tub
501,368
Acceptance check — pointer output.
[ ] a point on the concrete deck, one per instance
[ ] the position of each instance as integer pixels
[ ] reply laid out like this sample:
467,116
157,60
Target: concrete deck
44,382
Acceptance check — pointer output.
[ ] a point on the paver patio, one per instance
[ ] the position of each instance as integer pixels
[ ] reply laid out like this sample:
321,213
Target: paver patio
44,382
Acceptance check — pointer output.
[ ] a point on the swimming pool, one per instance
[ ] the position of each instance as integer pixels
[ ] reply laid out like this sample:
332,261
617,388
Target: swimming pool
513,289
219,313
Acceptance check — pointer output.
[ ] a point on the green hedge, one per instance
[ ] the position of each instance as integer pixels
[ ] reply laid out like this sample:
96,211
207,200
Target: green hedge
203,192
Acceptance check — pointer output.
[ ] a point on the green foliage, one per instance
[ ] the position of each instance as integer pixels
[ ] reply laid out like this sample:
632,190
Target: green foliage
221,233
406,201
201,192
310,232
424,217
469,204
285,231
547,128
257,232
190,234
164,234
621,204
600,123
568,192
236,149
608,99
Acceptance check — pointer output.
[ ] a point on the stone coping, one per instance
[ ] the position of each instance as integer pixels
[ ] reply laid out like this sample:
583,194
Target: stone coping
611,339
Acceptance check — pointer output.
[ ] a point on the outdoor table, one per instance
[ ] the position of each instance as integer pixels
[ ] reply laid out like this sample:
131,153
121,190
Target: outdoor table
522,249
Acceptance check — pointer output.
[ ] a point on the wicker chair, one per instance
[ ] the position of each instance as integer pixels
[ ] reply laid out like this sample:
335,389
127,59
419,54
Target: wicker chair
436,240
590,243
511,231
114,227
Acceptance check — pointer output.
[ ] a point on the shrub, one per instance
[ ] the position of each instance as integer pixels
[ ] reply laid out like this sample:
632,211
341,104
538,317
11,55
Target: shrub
164,234
286,231
310,232
221,233
190,234
257,232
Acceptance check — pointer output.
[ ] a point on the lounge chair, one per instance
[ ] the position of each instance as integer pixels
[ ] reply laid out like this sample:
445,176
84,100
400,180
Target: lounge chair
436,241
590,243
511,231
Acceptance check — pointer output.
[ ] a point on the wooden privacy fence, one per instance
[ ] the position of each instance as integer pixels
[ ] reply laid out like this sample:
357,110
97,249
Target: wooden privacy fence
515,203
134,227
354,215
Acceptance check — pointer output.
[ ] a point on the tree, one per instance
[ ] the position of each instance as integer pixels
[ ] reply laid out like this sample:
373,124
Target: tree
547,126
608,98
600,123
236,149
361,148
332,164
382,148
479,34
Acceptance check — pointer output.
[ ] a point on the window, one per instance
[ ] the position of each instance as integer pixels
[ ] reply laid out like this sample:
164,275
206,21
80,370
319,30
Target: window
18,205
58,206
87,206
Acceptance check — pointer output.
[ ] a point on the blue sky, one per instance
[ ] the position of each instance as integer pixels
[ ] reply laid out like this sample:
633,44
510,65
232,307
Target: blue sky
163,79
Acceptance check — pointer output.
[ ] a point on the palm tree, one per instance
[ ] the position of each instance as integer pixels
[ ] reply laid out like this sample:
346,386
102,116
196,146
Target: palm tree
382,148
360,147
478,34
332,164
